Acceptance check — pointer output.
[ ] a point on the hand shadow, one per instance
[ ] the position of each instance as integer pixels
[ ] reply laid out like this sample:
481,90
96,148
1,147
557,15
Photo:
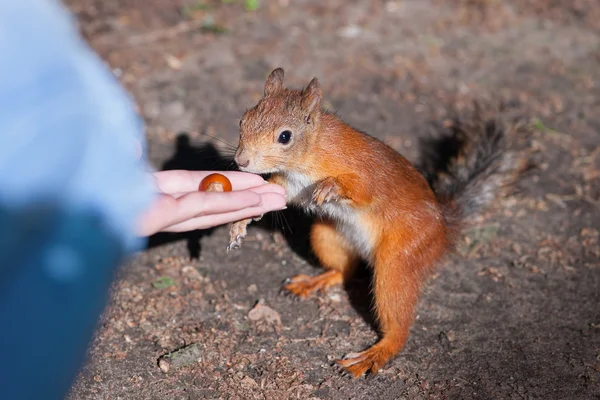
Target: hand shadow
194,158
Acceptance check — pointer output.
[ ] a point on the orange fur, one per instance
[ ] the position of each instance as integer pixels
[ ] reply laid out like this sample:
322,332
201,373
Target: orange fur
335,254
375,205
333,250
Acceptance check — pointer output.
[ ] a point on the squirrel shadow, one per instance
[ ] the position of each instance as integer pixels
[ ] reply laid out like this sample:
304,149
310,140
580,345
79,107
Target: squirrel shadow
194,158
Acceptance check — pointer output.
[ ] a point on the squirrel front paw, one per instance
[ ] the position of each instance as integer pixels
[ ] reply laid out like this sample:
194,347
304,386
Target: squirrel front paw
237,232
325,191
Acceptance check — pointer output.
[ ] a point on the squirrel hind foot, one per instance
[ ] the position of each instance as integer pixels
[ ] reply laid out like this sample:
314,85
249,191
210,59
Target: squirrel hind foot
303,286
368,362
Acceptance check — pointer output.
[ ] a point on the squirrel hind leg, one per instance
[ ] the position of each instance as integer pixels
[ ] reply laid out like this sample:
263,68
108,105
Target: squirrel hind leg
335,255
396,288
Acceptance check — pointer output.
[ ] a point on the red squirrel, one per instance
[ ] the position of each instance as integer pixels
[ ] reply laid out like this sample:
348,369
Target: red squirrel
372,203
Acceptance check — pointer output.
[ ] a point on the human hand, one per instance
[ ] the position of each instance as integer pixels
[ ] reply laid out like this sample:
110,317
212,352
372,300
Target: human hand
180,207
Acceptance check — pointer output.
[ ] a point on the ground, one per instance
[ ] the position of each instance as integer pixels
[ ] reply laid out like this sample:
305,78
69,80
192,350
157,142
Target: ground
515,315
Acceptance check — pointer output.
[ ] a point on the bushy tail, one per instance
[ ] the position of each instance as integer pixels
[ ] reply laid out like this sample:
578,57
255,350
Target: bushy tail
478,160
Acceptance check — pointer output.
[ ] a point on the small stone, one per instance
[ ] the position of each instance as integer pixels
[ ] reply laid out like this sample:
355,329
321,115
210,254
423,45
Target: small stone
451,336
249,382
589,232
541,205
164,365
517,248
252,289
210,289
173,62
180,358
266,313
350,31
335,297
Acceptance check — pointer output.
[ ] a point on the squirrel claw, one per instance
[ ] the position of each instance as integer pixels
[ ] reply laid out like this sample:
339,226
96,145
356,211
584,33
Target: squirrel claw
351,355
366,362
342,373
236,244
289,295
326,191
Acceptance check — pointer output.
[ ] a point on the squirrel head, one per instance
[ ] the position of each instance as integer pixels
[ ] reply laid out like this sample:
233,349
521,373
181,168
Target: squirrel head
277,133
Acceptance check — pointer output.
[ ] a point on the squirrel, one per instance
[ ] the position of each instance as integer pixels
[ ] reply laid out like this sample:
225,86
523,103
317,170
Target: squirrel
373,204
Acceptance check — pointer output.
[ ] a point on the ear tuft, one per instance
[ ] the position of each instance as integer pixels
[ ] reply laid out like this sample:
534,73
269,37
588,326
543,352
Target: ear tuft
311,97
274,81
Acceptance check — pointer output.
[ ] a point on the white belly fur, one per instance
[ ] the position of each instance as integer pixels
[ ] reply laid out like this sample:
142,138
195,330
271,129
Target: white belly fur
350,225
349,221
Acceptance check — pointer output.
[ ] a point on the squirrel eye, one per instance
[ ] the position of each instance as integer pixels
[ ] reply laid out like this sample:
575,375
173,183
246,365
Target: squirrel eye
284,137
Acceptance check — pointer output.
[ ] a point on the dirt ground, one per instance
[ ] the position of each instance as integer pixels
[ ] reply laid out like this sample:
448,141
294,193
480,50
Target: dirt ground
515,316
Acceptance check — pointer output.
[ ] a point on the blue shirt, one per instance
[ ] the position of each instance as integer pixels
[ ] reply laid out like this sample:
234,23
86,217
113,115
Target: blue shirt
71,189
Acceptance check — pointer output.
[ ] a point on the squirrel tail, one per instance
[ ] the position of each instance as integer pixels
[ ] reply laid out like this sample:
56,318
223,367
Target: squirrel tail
476,163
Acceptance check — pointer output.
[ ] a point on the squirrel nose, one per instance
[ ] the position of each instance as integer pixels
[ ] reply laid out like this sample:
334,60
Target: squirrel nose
241,162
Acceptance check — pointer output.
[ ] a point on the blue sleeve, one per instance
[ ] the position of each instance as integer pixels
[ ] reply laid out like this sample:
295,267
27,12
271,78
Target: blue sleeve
71,188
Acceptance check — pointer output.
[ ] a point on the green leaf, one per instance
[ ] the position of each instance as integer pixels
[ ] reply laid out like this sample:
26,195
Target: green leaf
251,5
163,282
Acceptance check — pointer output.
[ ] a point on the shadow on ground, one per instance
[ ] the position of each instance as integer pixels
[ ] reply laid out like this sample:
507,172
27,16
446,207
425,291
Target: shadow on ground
291,223
186,156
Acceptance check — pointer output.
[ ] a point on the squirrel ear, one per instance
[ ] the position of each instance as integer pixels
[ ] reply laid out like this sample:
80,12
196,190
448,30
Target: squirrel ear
311,98
274,81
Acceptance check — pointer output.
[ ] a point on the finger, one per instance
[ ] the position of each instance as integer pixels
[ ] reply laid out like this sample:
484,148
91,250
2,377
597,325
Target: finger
207,203
270,202
265,188
210,221
269,188
167,210
177,181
